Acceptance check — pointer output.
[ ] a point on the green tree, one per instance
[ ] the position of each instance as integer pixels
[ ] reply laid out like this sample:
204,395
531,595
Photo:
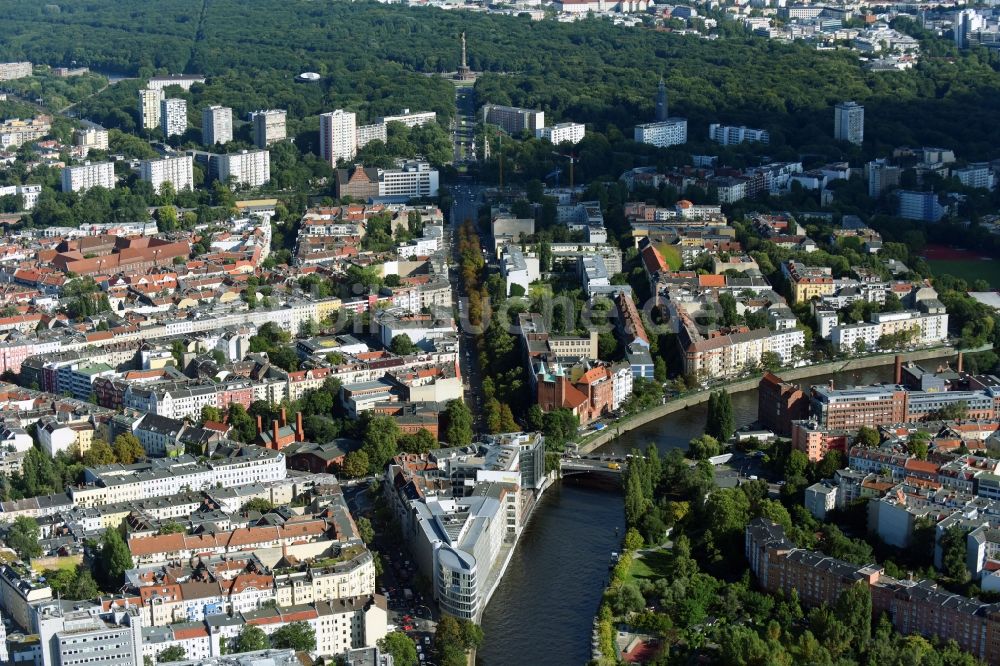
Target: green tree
127,449
854,608
633,540
23,537
356,464
381,434
257,504
953,550
251,639
704,447
421,441
458,424
84,587
172,653
365,530
720,421
99,453
402,345
401,647
868,437
115,559
918,444
298,636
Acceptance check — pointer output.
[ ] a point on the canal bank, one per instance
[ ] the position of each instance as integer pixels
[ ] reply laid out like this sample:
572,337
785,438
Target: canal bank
615,430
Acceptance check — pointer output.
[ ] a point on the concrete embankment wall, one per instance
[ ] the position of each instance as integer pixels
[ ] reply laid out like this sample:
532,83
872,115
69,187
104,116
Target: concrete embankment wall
613,430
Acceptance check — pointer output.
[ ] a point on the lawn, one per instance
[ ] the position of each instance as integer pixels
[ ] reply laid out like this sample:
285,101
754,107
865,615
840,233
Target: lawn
968,270
651,565
671,255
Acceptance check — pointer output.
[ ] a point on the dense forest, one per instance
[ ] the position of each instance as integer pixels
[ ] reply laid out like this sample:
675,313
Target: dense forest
377,59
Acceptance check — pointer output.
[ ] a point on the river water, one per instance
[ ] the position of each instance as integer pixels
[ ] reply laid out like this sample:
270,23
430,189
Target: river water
542,612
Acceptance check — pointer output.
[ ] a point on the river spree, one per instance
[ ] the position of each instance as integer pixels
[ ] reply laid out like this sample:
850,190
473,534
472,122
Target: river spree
543,609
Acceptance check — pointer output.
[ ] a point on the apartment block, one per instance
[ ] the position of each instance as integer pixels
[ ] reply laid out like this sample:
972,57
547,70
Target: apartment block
216,125
82,178
849,122
808,282
173,116
338,138
514,120
248,168
563,133
268,127
28,193
671,132
409,119
922,206
14,70
178,171
91,137
411,179
729,135
368,133
149,107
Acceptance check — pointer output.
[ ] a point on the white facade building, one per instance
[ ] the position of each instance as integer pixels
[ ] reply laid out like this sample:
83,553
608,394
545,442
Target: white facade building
14,70
173,116
91,137
729,135
216,125
670,132
251,168
29,194
411,179
82,178
178,171
410,119
338,136
563,133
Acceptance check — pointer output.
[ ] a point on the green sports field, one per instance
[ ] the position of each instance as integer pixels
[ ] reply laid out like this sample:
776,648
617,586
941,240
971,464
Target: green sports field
969,270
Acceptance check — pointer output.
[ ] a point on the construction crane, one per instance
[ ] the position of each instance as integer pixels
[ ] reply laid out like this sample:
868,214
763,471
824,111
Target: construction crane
572,157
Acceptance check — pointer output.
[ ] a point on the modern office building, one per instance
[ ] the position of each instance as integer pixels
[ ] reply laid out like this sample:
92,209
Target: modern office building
173,116
268,127
178,171
14,70
514,120
82,178
563,133
338,136
149,107
729,135
216,125
91,137
250,168
882,177
849,122
921,206
410,179
671,132
89,637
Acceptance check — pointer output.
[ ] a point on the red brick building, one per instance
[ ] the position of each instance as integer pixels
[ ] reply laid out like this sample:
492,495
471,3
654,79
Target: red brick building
779,403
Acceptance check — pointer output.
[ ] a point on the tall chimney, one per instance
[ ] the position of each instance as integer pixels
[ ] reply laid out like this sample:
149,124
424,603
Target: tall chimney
961,361
260,424
300,435
284,418
274,435
898,375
